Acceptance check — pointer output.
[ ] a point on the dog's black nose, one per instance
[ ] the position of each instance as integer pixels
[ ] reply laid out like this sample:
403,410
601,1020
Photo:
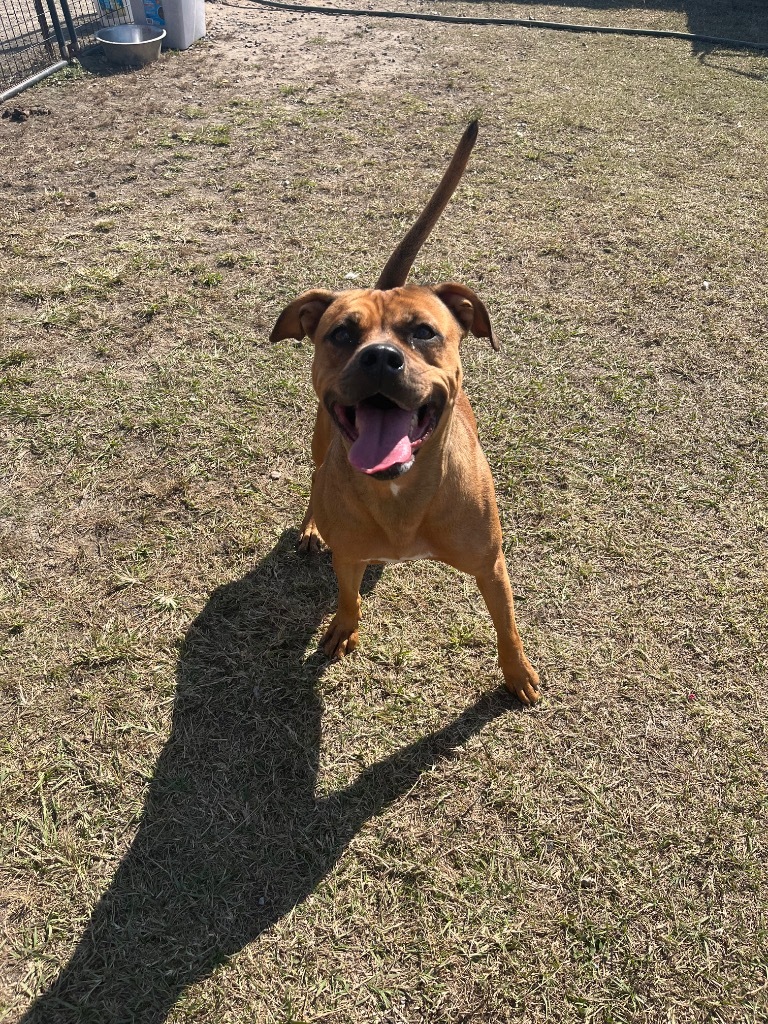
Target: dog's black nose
383,360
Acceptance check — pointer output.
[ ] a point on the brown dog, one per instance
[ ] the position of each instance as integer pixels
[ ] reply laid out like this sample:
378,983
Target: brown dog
399,470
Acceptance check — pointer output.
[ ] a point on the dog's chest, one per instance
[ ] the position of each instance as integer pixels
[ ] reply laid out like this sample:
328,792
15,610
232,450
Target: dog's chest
398,548
384,523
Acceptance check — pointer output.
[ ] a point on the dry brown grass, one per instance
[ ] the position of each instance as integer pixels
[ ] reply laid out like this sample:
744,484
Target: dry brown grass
203,822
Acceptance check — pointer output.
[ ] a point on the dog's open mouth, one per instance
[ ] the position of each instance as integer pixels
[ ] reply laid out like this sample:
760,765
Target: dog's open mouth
385,437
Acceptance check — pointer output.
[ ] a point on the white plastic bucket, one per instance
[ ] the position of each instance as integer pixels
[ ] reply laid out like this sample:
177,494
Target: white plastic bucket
184,21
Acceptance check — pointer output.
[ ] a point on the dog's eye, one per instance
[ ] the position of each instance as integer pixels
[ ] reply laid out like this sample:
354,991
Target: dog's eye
423,332
341,335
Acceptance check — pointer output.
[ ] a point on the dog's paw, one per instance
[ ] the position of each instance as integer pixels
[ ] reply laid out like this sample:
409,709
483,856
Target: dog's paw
310,542
523,681
340,638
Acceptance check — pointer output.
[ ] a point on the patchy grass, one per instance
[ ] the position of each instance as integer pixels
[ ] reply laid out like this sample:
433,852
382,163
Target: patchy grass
204,822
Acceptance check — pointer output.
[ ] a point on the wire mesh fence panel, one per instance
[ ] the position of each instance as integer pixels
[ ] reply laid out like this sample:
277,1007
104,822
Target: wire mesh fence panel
28,41
88,15
38,34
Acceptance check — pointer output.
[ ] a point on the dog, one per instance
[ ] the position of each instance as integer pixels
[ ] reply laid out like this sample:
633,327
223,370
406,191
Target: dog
399,471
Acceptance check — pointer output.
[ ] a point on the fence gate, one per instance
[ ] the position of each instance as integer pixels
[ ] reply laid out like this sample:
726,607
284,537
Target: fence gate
38,37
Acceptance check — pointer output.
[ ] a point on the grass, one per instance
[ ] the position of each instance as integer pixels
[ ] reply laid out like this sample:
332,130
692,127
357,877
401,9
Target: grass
204,822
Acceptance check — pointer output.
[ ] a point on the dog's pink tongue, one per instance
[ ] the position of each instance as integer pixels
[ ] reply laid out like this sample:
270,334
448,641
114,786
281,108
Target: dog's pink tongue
382,439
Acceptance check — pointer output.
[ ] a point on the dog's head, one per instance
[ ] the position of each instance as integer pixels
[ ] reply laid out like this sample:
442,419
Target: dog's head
386,364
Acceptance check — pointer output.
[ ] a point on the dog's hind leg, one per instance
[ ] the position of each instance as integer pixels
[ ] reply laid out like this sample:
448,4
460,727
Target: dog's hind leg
310,541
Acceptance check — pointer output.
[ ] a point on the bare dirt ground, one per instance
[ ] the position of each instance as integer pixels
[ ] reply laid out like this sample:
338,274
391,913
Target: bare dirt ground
203,821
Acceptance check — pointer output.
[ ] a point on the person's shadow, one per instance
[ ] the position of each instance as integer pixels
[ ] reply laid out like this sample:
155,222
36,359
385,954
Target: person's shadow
232,835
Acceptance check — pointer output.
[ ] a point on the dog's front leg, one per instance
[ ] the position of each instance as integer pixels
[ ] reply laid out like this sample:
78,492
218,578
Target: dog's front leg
341,636
519,675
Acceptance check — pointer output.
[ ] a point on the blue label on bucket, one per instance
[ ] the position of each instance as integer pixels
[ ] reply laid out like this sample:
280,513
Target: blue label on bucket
153,12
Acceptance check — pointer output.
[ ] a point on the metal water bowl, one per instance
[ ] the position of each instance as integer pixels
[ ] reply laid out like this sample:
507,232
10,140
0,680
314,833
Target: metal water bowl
131,45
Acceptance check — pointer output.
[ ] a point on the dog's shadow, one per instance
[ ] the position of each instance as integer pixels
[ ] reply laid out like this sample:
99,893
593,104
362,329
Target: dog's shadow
232,835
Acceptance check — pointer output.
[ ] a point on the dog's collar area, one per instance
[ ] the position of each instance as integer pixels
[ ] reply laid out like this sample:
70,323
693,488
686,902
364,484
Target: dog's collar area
384,437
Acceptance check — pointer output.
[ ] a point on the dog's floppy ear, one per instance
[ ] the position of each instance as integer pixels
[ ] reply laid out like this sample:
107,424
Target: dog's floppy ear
302,316
468,310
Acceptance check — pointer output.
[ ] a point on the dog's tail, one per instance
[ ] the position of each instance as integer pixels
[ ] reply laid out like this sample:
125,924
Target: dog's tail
395,273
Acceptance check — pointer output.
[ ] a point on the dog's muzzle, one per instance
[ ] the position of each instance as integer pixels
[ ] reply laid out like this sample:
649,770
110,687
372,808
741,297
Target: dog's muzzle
378,412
